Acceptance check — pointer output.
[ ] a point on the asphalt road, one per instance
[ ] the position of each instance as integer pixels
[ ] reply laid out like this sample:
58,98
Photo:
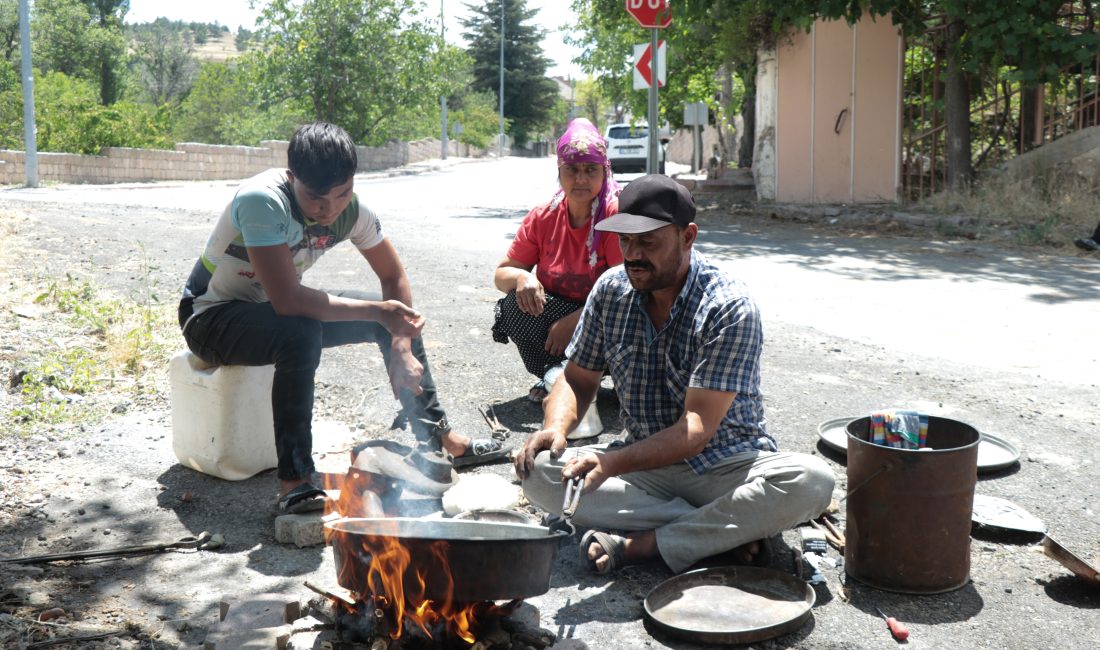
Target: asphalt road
1001,339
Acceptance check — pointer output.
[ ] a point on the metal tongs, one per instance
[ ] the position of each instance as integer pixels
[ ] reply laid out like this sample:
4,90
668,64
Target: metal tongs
564,523
498,430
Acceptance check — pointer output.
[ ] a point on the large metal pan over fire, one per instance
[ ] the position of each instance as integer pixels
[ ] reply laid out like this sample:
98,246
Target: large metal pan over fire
442,559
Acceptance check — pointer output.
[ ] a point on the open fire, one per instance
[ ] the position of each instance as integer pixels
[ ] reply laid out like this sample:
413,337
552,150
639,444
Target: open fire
396,601
422,583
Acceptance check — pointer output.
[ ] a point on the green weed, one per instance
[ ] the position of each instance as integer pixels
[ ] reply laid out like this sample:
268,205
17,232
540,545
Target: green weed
92,344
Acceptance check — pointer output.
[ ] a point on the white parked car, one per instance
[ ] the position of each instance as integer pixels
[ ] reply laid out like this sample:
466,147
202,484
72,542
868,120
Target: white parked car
627,145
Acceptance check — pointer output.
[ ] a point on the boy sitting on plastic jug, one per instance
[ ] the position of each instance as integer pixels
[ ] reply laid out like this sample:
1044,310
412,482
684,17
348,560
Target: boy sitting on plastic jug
244,303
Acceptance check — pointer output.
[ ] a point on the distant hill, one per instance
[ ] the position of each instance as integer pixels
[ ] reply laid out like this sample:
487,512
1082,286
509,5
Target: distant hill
220,48
217,45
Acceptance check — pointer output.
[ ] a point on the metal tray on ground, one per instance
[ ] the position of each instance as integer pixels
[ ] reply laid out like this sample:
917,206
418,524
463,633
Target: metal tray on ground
729,605
994,453
1068,559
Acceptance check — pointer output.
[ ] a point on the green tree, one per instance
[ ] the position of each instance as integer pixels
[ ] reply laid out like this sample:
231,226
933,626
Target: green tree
529,96
360,65
1017,39
226,106
592,103
163,58
9,50
701,59
243,39
82,38
111,45
9,30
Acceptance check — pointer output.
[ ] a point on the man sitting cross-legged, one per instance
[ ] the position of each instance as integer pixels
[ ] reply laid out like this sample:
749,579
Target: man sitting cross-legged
699,474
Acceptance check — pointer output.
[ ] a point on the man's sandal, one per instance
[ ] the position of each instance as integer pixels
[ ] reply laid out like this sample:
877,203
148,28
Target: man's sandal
304,498
613,546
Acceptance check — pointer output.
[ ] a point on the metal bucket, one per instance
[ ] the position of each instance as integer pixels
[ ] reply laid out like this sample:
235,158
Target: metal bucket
909,511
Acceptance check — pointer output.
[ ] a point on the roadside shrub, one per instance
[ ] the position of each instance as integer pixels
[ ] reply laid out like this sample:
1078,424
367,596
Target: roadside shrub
70,119
1052,208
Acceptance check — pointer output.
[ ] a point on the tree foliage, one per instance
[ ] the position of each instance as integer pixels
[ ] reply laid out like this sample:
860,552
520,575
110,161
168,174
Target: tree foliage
83,39
70,118
226,106
707,40
529,96
164,61
1022,36
360,65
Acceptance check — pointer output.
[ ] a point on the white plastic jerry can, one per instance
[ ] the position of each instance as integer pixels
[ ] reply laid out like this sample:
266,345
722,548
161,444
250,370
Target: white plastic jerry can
221,417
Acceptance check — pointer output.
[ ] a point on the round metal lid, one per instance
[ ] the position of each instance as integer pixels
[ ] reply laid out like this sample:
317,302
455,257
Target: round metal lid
994,453
729,605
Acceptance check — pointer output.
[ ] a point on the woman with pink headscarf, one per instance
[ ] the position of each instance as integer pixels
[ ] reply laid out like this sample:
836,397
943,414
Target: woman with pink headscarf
557,256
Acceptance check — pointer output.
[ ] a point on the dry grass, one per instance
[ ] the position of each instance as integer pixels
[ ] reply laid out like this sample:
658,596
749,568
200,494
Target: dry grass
220,48
1052,209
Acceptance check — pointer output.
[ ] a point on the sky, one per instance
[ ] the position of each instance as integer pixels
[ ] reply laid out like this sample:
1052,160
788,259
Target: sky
236,13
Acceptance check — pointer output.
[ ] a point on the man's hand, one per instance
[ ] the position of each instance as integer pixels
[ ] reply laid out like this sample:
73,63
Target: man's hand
400,320
551,439
559,335
590,466
405,372
530,296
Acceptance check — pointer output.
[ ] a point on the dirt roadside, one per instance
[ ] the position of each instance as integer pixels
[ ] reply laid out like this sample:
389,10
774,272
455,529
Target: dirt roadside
116,482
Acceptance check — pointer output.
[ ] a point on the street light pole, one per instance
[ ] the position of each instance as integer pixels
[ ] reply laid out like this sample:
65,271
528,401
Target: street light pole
500,144
442,97
30,144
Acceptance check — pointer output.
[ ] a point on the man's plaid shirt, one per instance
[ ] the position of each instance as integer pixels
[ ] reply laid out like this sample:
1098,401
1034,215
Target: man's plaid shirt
712,340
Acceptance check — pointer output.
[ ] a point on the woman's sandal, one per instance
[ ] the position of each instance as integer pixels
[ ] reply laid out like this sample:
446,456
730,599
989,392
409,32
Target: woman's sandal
537,393
304,498
481,451
613,546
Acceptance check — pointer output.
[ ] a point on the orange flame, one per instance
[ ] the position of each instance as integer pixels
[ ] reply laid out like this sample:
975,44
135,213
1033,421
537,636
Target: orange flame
403,588
393,580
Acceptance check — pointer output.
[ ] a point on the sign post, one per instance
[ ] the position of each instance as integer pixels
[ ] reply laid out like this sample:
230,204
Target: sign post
695,116
653,15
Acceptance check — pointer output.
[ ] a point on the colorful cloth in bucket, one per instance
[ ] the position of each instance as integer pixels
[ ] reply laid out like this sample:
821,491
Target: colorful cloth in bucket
901,429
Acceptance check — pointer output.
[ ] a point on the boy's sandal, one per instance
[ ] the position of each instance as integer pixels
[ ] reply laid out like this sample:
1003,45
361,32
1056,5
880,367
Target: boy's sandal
613,546
304,498
481,451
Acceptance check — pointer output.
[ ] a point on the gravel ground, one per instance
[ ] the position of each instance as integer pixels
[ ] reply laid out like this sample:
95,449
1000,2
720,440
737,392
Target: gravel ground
115,482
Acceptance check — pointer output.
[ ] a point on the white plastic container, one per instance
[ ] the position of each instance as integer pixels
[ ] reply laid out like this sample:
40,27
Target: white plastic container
221,417
590,425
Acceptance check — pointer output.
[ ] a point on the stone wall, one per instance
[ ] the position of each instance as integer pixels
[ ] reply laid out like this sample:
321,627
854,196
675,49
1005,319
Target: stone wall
202,162
680,147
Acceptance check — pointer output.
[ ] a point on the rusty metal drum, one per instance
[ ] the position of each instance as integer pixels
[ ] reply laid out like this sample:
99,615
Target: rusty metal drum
909,511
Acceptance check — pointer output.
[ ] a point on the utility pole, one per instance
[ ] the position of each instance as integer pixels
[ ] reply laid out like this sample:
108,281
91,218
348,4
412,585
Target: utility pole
30,144
500,144
443,97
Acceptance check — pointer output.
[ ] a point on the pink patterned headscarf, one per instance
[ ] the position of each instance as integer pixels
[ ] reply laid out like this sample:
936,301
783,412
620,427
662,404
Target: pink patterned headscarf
582,144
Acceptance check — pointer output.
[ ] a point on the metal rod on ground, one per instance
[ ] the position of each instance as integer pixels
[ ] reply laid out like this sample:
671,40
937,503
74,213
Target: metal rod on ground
187,542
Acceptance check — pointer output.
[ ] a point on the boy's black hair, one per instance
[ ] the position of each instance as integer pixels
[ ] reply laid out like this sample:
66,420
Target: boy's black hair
322,156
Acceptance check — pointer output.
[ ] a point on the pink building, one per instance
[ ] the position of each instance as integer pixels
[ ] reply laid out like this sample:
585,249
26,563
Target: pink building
829,115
